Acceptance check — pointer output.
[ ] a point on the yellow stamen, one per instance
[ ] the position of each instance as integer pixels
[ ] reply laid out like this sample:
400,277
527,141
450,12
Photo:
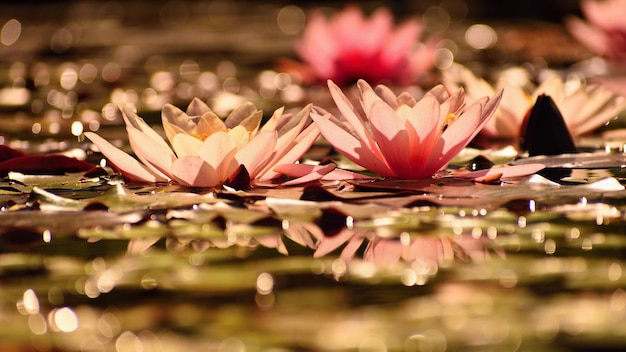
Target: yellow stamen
201,137
450,118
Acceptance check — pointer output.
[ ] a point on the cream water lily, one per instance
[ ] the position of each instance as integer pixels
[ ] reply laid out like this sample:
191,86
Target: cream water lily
584,107
204,151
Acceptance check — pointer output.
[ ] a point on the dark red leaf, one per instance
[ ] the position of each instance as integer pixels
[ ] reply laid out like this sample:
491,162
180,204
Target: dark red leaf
54,164
7,153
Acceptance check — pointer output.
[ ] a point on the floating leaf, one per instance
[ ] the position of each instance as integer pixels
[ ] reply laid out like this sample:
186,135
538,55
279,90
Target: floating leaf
54,164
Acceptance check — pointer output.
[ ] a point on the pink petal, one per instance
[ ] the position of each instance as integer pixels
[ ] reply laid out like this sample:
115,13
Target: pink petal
255,154
605,14
129,166
176,121
387,95
349,113
328,244
378,30
243,112
292,152
316,173
194,172
185,144
506,171
391,136
424,119
459,133
593,38
383,252
219,151
340,175
351,147
368,97
489,110
348,25
351,247
296,170
318,46
463,130
197,108
151,153
272,123
601,106
439,92
133,120
401,43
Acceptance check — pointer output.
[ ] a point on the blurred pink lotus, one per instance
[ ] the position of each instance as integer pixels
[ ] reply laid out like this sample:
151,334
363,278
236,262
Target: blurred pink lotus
400,137
584,107
206,151
605,32
347,47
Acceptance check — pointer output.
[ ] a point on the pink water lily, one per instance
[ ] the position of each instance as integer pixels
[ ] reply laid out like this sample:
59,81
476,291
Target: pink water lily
399,136
605,32
349,46
205,150
584,107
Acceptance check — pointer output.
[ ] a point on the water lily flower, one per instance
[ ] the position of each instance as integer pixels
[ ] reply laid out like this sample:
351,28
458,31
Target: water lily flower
605,32
206,151
348,46
399,136
584,107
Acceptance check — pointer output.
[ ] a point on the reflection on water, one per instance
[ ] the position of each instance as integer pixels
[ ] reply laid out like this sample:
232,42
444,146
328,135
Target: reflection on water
245,274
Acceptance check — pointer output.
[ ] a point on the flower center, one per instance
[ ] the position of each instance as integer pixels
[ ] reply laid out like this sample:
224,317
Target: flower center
450,119
201,136
404,111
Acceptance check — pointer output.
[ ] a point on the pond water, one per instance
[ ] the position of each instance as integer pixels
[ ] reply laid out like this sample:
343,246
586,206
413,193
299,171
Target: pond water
94,263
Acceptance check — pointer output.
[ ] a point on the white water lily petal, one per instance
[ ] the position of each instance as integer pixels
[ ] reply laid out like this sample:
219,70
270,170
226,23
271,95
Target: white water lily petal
255,154
132,120
291,153
608,184
584,107
176,121
272,123
240,135
219,151
185,145
207,124
194,172
197,107
129,166
151,153
315,173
